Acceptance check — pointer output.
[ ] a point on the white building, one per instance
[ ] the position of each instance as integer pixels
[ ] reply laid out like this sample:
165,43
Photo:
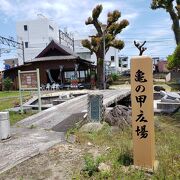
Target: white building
123,63
113,59
81,51
36,35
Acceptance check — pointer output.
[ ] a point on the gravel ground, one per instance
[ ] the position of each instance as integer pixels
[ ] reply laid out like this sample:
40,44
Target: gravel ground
58,163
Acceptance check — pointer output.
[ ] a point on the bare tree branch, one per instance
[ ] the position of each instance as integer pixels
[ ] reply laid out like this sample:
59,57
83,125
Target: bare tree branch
140,47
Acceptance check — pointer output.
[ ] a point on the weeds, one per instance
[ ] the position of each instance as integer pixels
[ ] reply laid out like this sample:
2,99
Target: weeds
32,126
126,158
71,131
91,165
120,154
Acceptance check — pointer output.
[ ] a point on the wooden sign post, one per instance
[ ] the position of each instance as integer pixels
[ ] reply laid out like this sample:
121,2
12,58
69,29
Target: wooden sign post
28,81
142,111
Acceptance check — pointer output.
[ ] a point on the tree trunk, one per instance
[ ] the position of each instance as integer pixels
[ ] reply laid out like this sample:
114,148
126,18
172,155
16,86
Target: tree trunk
175,26
176,30
100,67
100,72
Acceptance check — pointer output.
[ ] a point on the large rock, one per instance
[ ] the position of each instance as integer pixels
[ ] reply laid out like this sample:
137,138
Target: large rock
158,88
91,127
119,116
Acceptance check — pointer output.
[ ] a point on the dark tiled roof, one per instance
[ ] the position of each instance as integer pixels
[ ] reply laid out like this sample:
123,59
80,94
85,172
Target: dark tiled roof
61,49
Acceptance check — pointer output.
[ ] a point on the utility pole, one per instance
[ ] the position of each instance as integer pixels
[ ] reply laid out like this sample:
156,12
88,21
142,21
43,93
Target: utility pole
23,52
103,26
104,64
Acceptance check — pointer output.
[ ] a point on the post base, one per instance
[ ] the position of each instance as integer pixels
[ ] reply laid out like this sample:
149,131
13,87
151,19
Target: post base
149,170
156,165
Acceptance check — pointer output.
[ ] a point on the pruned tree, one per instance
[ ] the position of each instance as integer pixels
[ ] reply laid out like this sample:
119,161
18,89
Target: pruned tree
173,8
95,44
140,47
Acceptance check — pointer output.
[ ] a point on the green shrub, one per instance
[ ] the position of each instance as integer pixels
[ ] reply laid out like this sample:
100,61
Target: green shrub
114,76
7,84
174,59
170,62
126,158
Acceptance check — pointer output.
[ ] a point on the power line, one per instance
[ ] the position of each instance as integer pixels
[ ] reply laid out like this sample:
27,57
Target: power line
12,43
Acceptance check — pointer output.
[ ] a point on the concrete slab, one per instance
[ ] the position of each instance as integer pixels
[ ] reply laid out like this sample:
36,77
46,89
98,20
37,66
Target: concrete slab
26,143
51,117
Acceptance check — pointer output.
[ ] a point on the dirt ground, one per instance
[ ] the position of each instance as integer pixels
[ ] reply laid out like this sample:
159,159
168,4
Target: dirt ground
58,163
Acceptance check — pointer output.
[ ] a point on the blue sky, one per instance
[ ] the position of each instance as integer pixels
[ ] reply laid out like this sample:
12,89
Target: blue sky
145,23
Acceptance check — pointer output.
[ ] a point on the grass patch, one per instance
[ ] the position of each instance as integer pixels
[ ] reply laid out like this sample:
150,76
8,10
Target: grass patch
120,156
121,81
71,131
8,93
10,99
8,103
159,83
4,94
174,86
15,117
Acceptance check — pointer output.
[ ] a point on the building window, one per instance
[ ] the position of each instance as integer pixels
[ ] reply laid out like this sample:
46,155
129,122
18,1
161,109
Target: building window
125,59
120,63
124,65
50,27
26,44
112,58
25,28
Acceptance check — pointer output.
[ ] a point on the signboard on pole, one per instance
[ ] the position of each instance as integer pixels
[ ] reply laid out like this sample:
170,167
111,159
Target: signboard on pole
142,111
29,80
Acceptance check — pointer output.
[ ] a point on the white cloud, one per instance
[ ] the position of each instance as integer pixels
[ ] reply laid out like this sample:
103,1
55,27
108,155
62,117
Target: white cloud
69,12
73,13
130,16
160,33
6,7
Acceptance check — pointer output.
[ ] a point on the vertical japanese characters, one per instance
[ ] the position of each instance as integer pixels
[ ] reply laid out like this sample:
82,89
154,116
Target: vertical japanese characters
142,111
141,98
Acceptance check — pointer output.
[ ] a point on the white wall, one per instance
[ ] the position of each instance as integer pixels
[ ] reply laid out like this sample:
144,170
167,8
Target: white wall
114,64
81,51
38,36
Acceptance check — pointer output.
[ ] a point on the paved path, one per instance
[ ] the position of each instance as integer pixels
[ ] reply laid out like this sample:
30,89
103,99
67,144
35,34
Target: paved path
51,117
24,144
